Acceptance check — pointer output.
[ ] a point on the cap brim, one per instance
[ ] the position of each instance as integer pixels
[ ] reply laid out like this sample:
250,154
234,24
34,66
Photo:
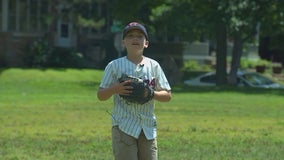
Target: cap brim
135,28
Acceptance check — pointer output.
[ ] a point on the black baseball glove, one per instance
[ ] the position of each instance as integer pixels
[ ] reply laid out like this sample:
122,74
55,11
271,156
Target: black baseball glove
141,92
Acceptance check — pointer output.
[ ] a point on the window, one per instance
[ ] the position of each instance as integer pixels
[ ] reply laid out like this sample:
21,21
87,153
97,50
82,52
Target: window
12,15
1,14
27,15
64,28
255,79
23,23
209,79
38,12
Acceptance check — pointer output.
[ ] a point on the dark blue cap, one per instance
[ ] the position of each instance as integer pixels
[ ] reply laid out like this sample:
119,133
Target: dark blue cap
135,25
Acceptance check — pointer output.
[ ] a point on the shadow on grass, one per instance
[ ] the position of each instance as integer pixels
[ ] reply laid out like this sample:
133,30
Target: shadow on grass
246,90
3,69
90,84
37,68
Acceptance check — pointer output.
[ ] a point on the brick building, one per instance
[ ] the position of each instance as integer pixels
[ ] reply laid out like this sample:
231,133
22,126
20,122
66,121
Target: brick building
58,21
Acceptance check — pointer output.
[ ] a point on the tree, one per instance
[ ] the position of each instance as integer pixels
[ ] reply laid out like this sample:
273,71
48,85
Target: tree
192,19
272,32
185,19
240,19
129,10
215,20
245,15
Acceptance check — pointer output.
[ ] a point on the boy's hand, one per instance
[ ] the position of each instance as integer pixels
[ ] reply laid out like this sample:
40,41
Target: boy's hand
122,88
135,90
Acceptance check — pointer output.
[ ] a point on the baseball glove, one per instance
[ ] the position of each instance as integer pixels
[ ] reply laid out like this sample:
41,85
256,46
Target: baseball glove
141,92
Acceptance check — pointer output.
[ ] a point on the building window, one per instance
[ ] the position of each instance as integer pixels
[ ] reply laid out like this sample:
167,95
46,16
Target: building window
12,15
23,23
64,28
1,14
27,15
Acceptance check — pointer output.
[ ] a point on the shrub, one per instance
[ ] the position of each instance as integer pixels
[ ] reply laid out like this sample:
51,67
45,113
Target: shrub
65,57
247,63
194,65
41,54
262,62
252,63
38,53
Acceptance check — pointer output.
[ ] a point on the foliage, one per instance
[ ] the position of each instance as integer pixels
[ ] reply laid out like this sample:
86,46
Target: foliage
53,114
38,53
252,63
91,23
247,63
65,57
272,19
193,65
160,11
41,54
198,18
137,11
188,20
275,64
82,13
190,65
263,62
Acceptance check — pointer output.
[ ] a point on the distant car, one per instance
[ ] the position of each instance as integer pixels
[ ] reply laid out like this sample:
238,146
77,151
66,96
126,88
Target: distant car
251,79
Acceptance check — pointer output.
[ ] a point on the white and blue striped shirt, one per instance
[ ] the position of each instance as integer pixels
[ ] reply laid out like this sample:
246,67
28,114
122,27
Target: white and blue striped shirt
129,117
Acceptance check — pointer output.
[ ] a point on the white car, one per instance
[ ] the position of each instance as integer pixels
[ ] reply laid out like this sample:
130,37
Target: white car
251,79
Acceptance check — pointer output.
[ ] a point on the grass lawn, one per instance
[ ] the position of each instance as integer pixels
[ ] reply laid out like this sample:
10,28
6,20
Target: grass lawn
54,114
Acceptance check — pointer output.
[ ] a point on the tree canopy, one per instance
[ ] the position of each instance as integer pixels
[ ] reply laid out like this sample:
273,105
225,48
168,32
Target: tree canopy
237,21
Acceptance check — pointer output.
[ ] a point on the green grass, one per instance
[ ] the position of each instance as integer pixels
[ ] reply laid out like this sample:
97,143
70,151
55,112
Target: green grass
54,114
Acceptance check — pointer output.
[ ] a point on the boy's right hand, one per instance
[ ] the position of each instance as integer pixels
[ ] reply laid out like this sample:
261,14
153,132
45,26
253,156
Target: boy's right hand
122,88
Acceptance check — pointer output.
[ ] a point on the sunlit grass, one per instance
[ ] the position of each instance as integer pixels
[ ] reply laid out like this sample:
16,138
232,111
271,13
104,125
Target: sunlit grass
54,114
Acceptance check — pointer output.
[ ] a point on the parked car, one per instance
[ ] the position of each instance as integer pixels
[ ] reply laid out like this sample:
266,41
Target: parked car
251,79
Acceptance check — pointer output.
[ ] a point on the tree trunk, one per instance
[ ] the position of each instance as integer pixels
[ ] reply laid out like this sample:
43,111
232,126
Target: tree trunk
236,58
221,34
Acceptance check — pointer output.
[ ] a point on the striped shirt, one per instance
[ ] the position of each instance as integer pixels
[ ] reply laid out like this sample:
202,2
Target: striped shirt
129,117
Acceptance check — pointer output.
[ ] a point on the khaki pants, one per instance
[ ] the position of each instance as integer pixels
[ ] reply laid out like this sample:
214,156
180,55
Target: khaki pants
126,147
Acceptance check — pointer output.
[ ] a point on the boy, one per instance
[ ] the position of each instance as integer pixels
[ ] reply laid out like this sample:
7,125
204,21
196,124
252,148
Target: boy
134,125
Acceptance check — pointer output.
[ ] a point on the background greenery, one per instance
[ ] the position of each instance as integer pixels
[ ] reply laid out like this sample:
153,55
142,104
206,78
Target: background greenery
54,114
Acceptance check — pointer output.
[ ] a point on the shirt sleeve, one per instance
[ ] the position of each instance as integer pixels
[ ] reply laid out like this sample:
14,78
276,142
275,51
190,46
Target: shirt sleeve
161,81
108,76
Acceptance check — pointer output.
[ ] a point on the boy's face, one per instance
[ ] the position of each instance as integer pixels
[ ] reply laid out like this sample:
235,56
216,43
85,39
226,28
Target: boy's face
135,40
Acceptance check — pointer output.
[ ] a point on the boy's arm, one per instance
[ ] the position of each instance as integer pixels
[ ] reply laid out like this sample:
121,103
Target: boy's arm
118,88
162,96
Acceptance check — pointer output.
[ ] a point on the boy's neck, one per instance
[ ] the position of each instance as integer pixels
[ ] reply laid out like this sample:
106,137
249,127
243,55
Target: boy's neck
135,59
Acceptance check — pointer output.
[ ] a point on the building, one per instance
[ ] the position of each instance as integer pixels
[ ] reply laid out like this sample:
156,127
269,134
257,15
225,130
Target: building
60,22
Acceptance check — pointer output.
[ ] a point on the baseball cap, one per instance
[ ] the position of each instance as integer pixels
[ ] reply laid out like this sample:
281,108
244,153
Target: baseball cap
135,25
